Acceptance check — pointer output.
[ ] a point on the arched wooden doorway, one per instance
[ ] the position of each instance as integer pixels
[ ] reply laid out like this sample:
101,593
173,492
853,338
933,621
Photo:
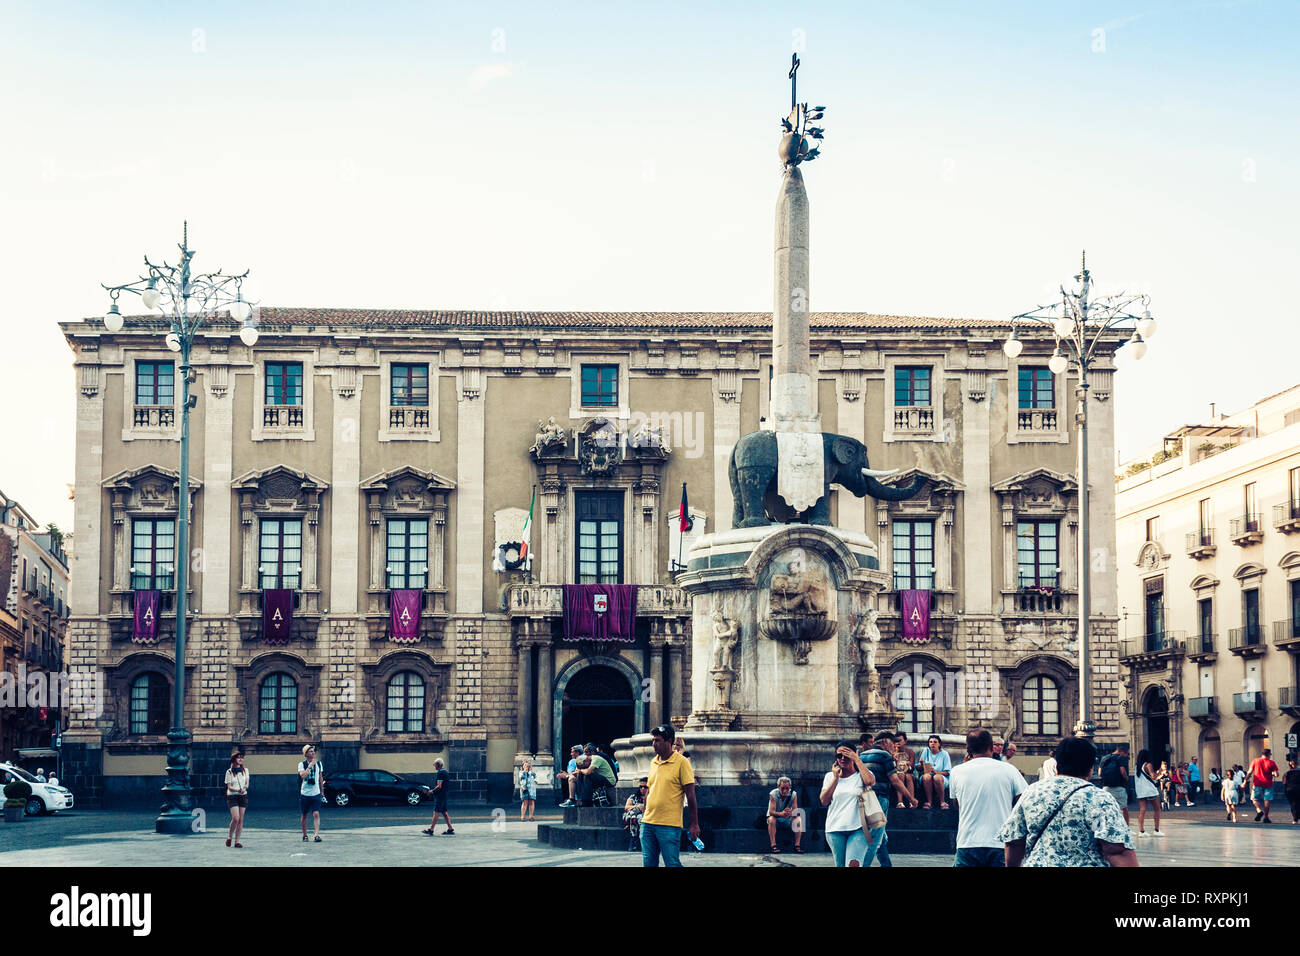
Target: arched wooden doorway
1155,713
596,703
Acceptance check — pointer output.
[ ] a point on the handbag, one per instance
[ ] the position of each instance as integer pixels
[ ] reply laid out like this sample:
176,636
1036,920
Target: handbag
869,811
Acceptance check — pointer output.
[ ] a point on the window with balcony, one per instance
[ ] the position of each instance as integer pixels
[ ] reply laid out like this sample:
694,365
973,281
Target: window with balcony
1153,619
1205,621
155,395
1036,404
150,704
283,401
1041,707
1250,516
153,554
408,400
600,537
913,407
1293,492
278,705
1037,554
913,555
280,554
1250,616
405,711
914,704
408,553
600,386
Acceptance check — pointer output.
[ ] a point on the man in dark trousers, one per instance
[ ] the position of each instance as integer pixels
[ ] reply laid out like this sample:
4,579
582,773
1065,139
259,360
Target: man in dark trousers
441,783
888,787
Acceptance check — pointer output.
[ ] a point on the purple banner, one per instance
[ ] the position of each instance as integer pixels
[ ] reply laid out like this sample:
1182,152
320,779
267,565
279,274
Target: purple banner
916,616
277,615
404,615
600,612
145,628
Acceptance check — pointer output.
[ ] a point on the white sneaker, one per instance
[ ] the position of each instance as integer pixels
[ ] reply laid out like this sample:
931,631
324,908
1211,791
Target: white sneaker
1158,833
1143,833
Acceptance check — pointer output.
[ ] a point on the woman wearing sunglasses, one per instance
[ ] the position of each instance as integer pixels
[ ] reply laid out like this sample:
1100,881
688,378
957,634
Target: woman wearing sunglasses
841,790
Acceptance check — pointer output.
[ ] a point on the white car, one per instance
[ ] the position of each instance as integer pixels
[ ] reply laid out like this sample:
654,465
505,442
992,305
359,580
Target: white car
45,798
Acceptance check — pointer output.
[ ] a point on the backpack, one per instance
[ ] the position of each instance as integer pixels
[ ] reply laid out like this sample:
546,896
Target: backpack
1110,771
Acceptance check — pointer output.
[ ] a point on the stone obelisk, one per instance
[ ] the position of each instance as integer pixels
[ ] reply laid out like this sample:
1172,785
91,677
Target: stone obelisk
794,405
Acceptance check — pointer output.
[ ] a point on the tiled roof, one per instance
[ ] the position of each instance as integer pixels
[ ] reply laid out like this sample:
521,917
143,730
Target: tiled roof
378,320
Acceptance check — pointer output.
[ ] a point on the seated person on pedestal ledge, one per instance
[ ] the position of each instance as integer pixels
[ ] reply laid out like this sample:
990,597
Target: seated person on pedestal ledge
595,779
935,765
905,758
632,812
569,777
782,812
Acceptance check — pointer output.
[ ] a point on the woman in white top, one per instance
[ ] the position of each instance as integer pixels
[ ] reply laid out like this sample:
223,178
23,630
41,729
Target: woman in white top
1148,794
236,797
841,788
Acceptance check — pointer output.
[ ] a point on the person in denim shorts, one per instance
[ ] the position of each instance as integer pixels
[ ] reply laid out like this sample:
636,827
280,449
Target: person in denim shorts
311,775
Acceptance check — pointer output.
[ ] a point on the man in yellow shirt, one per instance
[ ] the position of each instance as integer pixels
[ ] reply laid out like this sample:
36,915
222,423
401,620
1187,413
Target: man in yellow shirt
671,778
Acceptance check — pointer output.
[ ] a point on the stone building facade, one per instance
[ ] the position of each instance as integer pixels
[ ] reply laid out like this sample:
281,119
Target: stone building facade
1209,587
350,454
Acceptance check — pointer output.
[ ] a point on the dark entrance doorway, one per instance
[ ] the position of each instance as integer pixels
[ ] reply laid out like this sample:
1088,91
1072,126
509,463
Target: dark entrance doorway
597,708
1155,708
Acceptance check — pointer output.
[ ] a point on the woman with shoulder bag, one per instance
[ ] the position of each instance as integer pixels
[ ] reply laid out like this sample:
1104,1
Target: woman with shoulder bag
1148,793
843,791
236,798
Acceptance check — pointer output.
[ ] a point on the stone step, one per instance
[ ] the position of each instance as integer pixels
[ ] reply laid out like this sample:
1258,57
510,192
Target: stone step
575,836
742,818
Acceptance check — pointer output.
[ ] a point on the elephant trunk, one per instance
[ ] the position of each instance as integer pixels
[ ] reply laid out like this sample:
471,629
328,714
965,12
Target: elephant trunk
886,493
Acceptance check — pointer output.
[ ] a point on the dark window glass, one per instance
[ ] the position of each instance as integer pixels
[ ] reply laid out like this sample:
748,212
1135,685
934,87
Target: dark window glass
1037,554
406,703
1041,707
280,553
150,704
279,705
410,385
408,552
913,555
911,385
1205,612
599,386
155,383
1036,387
1250,607
153,554
600,538
284,383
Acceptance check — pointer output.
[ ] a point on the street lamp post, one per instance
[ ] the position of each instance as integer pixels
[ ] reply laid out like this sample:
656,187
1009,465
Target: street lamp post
1079,323
190,300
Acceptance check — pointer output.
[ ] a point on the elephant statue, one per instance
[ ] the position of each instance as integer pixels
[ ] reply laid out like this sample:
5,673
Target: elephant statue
753,480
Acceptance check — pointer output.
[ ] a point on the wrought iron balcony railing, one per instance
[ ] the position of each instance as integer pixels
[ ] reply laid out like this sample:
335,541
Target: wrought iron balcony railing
1286,516
1252,635
1200,543
1286,631
1246,529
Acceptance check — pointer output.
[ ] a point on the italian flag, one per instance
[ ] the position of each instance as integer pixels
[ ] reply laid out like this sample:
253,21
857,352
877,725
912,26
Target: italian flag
528,527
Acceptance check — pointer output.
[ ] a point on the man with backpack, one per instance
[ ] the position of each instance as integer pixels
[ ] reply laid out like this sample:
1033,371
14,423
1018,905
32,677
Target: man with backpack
1114,777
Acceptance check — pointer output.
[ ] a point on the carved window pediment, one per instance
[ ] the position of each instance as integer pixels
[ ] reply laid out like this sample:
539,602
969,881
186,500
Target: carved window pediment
407,489
150,489
280,488
407,492
1041,491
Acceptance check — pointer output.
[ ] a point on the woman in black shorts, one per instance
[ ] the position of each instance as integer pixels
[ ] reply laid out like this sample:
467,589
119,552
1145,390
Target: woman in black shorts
236,797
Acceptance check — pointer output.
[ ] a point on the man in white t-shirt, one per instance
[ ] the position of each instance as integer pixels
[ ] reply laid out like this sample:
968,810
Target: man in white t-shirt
985,790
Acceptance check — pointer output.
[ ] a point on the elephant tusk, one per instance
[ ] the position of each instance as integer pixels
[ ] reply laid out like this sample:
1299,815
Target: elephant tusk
874,473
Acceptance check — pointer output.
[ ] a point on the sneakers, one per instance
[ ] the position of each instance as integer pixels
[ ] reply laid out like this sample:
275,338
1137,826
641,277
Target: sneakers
569,803
1259,816
1143,833
1158,833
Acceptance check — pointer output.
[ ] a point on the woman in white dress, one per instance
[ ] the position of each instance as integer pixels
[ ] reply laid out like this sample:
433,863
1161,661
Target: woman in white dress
1148,794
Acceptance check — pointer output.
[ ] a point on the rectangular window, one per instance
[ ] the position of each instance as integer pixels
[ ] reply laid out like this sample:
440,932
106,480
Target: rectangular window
913,555
1205,613
1295,608
1293,492
155,383
1037,554
1153,528
410,385
600,537
408,553
153,554
1154,615
280,553
599,386
283,383
1250,615
1205,516
1036,387
911,385
1251,506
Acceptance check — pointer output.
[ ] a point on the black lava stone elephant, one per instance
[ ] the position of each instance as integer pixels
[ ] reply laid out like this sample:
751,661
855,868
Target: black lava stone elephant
753,480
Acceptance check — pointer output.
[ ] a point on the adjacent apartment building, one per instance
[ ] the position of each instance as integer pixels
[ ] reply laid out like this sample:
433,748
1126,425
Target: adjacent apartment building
33,624
368,475
1208,527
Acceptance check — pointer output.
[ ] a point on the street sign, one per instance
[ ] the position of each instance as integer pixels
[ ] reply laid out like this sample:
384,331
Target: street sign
1292,741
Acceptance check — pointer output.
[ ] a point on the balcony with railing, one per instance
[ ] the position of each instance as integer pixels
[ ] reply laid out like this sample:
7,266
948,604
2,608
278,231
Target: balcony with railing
1158,647
1030,420
914,418
1203,710
282,416
1039,600
1286,517
1250,705
1246,530
1202,648
408,418
1288,700
153,416
1247,641
1200,544
1286,633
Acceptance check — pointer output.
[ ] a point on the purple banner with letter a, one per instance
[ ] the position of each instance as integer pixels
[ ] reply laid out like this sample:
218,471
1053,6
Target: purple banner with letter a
277,615
600,612
145,628
404,615
916,616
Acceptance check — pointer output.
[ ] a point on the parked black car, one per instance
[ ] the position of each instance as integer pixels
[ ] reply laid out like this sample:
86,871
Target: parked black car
344,789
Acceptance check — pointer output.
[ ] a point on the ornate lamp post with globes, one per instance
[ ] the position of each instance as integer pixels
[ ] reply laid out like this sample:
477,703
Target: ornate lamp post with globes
1080,322
190,300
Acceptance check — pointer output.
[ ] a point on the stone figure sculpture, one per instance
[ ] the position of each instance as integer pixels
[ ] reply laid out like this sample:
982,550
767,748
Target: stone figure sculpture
549,434
797,607
753,476
868,638
801,591
726,635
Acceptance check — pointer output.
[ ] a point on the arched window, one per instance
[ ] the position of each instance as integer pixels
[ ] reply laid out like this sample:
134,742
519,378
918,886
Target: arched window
150,706
1041,707
406,703
278,698
916,705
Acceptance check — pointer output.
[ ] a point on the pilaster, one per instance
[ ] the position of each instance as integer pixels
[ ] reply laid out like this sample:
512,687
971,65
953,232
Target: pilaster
218,447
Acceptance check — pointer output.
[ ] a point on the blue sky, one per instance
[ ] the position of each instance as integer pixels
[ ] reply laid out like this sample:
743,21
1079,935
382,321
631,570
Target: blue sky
606,156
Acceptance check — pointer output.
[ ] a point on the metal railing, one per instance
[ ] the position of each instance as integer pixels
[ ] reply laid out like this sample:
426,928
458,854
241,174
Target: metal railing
282,416
1251,635
1288,697
407,417
1286,630
1202,643
914,418
1286,513
1036,420
1200,540
153,416
1246,524
1202,707
1248,703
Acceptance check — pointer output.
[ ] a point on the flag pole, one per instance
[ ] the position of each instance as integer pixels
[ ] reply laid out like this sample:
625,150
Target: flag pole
529,564
681,525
